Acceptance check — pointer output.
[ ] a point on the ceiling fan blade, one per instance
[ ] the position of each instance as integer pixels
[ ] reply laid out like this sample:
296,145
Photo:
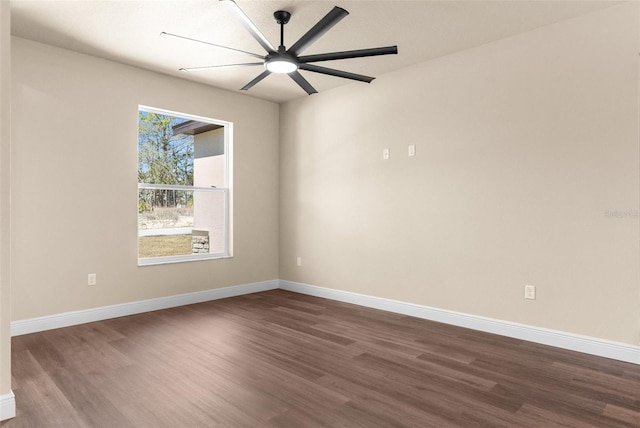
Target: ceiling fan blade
164,33
324,25
251,27
256,80
337,73
359,53
297,77
210,67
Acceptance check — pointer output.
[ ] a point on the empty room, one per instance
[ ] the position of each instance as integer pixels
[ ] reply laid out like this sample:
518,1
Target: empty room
292,213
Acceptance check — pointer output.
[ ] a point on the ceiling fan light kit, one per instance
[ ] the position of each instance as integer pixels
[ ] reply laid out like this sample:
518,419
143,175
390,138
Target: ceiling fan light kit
289,61
280,65
280,62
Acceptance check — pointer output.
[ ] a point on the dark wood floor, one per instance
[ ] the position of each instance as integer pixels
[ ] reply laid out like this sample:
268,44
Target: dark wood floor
288,360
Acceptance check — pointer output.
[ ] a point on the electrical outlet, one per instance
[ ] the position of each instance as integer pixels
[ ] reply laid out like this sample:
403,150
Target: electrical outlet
530,292
385,154
91,279
412,150
299,261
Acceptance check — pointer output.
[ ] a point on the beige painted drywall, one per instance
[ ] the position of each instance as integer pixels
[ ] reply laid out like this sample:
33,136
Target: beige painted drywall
74,183
526,172
5,145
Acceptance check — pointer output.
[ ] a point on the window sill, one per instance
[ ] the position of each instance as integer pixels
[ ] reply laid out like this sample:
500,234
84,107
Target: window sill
153,261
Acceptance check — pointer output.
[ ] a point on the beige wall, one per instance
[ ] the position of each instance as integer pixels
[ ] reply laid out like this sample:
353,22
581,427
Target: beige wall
5,259
523,147
74,181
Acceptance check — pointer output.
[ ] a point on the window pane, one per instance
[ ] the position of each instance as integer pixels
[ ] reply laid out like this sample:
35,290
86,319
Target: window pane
164,157
209,213
181,222
165,222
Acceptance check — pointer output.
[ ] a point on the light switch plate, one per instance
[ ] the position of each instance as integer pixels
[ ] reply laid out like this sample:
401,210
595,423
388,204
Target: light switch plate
530,292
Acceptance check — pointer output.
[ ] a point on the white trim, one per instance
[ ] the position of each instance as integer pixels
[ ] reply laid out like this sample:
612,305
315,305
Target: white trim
181,187
7,406
163,260
50,322
228,196
155,110
589,345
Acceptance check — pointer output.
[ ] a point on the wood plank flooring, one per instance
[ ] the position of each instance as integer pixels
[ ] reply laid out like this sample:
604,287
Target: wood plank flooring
280,359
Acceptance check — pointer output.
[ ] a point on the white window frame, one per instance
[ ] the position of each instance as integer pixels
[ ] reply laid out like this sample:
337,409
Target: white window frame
227,189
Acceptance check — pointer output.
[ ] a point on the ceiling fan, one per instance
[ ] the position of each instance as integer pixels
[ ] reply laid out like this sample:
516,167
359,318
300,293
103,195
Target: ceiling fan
289,61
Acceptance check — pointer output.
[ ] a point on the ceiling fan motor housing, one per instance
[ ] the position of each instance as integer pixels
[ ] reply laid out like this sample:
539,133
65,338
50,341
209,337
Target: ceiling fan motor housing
282,16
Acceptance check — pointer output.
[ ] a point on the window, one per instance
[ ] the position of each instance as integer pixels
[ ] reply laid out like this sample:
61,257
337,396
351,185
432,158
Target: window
183,187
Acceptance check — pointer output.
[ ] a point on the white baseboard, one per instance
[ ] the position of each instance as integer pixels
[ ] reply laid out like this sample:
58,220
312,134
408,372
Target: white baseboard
7,406
589,345
67,319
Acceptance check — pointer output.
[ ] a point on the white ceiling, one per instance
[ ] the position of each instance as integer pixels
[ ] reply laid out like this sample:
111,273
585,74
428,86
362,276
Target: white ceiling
128,31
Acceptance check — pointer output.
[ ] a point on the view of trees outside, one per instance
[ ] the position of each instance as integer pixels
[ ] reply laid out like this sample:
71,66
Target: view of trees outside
164,159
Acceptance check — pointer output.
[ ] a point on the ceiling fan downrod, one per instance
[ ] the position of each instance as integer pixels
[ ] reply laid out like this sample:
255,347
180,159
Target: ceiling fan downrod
282,17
